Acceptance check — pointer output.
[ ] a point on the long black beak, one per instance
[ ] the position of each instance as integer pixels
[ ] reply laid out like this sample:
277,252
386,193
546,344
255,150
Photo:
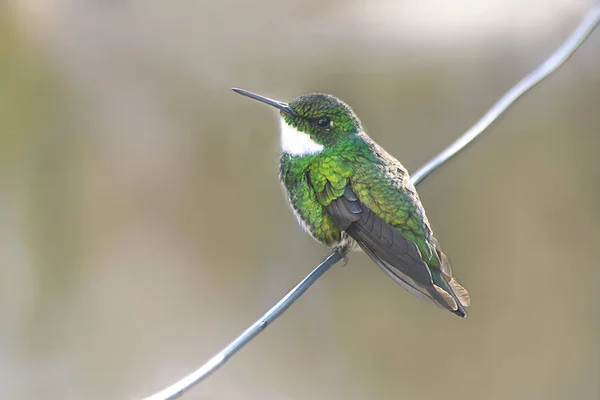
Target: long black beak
278,104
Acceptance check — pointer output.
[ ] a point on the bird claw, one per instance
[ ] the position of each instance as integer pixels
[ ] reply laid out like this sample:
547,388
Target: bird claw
344,254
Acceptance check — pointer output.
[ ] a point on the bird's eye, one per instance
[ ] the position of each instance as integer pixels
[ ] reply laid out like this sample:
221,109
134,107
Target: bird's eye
324,122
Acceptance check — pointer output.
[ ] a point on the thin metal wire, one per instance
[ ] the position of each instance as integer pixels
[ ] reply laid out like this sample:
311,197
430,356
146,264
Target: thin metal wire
221,357
542,71
590,21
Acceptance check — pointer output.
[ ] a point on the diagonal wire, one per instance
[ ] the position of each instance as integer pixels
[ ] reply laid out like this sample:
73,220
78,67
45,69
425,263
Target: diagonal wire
541,72
562,54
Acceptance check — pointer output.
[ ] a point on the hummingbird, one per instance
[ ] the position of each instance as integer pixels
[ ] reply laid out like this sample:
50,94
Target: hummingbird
346,191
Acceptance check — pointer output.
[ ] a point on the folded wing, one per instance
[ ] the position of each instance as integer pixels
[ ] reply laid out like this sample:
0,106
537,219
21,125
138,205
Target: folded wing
398,256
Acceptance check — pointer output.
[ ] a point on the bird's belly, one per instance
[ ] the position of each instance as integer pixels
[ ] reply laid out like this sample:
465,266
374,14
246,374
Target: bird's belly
304,224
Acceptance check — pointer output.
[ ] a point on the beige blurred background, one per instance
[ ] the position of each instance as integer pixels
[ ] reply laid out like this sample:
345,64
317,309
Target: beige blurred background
142,226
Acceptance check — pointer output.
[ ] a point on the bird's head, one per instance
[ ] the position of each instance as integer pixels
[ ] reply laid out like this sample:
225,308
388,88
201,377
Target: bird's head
312,122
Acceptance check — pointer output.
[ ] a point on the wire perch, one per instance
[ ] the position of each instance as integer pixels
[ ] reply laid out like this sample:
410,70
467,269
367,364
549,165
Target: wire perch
542,71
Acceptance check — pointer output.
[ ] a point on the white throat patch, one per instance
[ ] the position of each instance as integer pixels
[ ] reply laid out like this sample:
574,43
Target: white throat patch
297,143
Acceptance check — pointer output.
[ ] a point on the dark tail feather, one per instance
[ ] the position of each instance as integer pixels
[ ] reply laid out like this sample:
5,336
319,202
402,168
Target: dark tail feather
455,303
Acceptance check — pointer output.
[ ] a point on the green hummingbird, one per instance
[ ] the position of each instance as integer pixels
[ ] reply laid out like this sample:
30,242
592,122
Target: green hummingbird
346,190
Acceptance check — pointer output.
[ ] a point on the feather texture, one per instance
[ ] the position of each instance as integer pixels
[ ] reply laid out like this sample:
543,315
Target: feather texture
394,253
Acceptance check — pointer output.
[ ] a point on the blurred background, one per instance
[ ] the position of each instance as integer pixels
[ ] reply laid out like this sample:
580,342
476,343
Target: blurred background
142,225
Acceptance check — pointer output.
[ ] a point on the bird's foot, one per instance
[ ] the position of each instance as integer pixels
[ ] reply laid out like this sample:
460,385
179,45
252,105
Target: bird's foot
343,252
344,247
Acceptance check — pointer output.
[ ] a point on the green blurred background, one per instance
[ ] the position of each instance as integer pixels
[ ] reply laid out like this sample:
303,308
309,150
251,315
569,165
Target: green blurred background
142,225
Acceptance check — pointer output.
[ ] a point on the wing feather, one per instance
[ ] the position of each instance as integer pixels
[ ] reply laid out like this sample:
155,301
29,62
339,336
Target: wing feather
398,256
